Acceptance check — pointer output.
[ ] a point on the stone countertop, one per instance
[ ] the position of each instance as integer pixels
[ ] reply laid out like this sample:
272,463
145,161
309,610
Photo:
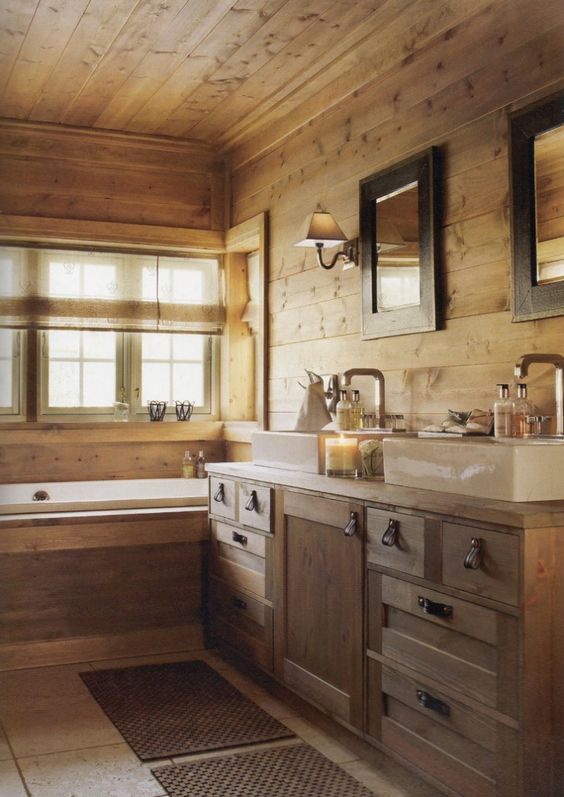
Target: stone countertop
540,514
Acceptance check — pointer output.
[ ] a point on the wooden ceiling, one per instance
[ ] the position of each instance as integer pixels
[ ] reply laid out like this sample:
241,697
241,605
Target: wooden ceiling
211,70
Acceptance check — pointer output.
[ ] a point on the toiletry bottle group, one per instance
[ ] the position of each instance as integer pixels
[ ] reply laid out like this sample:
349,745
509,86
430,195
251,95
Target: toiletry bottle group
510,415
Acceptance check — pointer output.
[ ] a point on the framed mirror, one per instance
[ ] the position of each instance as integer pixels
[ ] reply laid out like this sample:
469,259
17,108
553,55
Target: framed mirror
399,239
537,210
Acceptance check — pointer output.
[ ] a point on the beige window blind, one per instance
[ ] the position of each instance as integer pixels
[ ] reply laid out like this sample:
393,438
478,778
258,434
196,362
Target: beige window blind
60,289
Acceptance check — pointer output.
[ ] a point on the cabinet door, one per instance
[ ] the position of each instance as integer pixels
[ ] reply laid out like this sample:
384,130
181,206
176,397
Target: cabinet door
322,603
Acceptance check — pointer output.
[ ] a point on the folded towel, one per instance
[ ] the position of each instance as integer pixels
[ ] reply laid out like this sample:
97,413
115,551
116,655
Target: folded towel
313,414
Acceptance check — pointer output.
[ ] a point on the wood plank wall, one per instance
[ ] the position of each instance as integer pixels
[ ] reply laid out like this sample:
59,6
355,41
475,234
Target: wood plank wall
448,80
107,179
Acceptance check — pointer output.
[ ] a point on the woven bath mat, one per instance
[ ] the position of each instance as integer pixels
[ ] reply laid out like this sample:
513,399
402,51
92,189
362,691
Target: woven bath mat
165,710
295,771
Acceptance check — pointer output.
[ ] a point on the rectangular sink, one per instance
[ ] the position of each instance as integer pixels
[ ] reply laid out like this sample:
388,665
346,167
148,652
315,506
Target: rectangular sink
508,470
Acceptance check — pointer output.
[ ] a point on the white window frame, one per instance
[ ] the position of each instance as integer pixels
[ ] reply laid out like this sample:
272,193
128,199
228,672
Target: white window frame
128,376
15,411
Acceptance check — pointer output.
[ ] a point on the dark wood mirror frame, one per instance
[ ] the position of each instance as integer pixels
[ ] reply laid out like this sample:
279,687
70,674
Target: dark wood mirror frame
425,317
530,300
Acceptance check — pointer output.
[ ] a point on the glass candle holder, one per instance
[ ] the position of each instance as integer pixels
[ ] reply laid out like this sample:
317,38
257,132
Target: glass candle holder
340,456
121,411
157,410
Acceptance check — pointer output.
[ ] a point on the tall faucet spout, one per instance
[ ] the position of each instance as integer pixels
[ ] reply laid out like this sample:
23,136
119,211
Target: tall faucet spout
557,360
379,393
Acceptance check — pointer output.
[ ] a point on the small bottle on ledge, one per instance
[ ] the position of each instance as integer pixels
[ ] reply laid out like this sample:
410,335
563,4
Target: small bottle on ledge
188,470
343,412
201,466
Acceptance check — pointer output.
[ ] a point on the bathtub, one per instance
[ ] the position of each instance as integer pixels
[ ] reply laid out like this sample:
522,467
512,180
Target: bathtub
89,496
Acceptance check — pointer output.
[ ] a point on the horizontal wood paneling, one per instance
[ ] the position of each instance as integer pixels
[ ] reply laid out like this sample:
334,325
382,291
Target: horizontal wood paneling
71,175
103,451
452,90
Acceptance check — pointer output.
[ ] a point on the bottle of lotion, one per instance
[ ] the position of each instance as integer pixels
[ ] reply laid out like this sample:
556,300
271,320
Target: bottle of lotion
504,411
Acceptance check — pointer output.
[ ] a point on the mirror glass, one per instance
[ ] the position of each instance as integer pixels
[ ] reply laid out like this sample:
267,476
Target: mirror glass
397,245
549,200
399,248
537,210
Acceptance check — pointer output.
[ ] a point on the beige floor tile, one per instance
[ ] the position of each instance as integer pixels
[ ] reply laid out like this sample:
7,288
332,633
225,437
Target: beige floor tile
386,778
5,752
112,771
49,710
10,782
314,736
158,658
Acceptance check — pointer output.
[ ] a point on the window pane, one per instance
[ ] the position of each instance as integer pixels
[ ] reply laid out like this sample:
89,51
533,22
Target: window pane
188,383
99,381
6,343
64,344
99,345
155,346
64,279
155,385
6,383
64,384
188,347
100,281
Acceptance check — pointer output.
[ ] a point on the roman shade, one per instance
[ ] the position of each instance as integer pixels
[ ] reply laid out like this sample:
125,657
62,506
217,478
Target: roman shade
61,289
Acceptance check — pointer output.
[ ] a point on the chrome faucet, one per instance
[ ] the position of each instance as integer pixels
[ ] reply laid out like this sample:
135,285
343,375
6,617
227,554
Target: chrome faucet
379,396
522,370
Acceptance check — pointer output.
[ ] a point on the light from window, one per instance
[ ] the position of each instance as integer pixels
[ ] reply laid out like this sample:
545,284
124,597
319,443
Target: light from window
82,369
173,368
6,368
71,278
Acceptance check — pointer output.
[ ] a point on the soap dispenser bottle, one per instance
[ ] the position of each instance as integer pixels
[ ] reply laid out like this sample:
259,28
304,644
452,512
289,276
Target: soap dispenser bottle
504,411
343,408
201,466
523,410
357,411
188,470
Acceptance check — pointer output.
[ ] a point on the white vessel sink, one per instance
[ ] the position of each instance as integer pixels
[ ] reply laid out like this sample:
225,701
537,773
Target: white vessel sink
509,470
304,451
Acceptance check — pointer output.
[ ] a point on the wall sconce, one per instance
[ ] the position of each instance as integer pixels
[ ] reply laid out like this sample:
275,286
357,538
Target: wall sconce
321,230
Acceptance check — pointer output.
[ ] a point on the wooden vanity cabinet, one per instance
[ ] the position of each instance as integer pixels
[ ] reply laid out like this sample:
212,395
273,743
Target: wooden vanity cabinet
459,657
319,606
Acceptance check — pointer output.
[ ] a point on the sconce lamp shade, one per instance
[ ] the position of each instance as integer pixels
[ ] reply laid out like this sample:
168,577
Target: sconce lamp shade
321,228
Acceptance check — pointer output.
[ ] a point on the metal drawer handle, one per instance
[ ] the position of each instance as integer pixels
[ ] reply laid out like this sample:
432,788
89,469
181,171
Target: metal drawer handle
432,703
219,494
239,603
352,526
473,558
240,538
252,503
390,536
437,609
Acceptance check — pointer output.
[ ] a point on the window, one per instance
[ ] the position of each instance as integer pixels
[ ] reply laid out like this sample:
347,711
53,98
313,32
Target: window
84,372
10,372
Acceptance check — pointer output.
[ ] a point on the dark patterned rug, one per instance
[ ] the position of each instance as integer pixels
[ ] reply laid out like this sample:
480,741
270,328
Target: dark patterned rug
294,771
165,710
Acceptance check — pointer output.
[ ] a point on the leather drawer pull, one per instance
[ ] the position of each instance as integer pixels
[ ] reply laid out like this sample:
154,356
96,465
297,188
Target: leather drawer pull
432,703
240,538
390,536
219,494
239,603
352,526
473,558
436,609
252,503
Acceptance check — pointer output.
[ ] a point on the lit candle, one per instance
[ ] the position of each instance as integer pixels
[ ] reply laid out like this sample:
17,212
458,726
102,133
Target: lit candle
340,456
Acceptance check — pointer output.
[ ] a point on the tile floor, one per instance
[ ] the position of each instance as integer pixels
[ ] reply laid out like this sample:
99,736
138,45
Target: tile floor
55,741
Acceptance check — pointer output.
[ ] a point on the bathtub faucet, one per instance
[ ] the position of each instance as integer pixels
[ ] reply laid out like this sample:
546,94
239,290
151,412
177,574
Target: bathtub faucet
379,395
557,360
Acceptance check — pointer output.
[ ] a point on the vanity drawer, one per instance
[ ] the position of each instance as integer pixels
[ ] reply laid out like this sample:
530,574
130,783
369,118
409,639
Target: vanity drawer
222,499
242,621
459,746
466,647
496,574
238,557
396,540
254,506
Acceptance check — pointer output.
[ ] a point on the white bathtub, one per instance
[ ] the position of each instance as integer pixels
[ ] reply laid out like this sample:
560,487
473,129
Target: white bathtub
102,495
